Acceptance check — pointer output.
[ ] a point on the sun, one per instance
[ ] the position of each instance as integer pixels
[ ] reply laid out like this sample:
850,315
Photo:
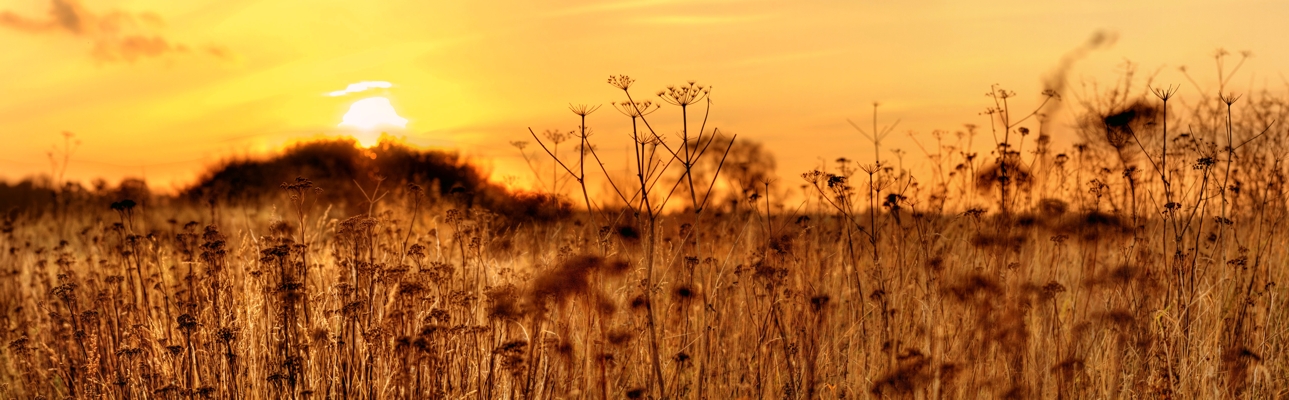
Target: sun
369,114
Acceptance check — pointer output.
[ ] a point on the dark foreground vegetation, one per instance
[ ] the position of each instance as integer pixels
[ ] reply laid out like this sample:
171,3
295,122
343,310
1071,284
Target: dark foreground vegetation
1145,262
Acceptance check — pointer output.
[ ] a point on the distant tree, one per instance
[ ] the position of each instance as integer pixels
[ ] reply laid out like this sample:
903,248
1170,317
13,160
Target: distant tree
748,166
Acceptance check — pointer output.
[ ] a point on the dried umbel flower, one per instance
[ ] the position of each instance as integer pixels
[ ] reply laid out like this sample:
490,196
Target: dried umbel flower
1007,172
684,292
998,241
905,379
819,301
573,277
605,305
636,109
438,315
557,136
621,81
281,228
503,303
1118,317
1051,289
299,188
410,289
66,292
621,336
416,251
639,302
684,95
187,323
974,287
212,248
123,206
226,335
681,358
20,346
935,263
583,110
512,355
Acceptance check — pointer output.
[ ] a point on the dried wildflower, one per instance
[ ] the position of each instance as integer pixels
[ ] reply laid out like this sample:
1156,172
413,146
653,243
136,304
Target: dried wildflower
618,337
20,346
935,263
226,334
604,305
684,292
1000,242
1051,289
681,358
123,206
974,287
621,81
299,188
684,95
571,277
1120,317
628,233
512,355
819,301
187,322
905,379
582,110
504,303
639,302
636,109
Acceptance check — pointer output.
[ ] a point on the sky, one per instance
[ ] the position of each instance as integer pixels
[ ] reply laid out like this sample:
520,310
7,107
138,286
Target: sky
164,89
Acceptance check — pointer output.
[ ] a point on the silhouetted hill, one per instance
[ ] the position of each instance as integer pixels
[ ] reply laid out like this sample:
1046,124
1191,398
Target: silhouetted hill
23,195
335,164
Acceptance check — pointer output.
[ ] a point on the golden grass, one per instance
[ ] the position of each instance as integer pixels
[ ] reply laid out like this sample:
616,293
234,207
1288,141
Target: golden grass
1103,274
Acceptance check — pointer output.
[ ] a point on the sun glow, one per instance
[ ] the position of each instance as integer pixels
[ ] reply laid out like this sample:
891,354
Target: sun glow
372,112
369,114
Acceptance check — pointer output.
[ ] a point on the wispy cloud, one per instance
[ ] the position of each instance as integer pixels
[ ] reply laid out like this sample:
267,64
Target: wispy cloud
700,19
361,86
116,35
609,6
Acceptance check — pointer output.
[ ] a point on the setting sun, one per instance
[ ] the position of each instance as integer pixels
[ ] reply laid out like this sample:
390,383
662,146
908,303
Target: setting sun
368,116
661,199
371,113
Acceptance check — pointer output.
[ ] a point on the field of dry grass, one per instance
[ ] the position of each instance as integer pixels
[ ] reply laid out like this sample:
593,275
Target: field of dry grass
1143,263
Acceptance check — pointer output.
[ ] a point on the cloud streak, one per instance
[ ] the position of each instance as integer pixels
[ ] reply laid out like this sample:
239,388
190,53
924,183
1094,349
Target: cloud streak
116,35
361,86
700,19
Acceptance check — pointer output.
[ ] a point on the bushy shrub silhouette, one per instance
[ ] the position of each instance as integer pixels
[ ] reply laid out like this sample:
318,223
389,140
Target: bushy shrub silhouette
338,165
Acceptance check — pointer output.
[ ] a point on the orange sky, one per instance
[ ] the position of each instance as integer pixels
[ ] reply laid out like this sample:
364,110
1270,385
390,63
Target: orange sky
161,89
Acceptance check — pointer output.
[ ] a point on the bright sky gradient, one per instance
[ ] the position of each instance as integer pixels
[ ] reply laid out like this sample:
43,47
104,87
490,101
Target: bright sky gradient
161,89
